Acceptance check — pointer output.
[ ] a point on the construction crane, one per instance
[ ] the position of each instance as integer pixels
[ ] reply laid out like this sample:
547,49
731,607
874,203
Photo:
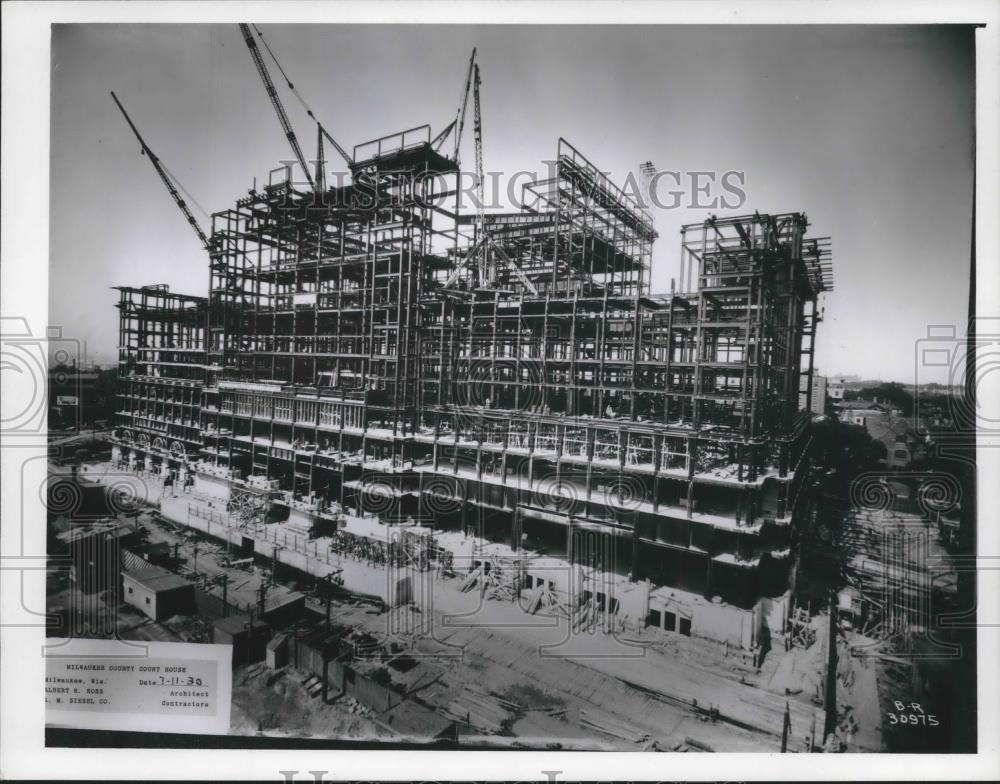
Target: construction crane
343,153
272,93
153,159
459,121
484,243
320,161
485,275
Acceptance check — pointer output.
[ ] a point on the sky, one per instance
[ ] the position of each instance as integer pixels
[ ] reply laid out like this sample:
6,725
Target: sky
866,129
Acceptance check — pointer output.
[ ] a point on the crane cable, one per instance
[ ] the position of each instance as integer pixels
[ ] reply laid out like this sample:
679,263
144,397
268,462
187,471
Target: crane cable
283,74
184,190
299,97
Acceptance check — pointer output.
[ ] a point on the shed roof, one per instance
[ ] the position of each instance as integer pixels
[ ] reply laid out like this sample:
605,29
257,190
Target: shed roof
157,579
235,624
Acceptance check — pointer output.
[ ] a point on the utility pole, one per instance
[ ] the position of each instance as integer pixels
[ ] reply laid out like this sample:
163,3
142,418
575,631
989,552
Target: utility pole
249,627
830,699
329,591
274,564
785,728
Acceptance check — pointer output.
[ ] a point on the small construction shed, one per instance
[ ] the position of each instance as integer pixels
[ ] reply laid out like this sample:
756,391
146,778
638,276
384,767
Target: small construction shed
158,593
248,637
283,607
310,651
277,652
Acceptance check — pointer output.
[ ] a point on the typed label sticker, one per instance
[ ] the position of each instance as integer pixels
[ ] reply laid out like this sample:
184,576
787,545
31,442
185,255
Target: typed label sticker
154,687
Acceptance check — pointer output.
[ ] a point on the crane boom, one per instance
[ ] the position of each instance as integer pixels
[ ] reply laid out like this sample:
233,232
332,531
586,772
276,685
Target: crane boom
343,153
487,272
477,133
320,161
163,176
438,140
460,117
272,93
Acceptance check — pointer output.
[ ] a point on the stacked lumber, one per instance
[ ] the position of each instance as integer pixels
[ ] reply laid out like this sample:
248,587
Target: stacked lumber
483,711
613,726
253,671
470,580
586,616
551,601
502,579
508,704
313,685
534,600
800,626
690,744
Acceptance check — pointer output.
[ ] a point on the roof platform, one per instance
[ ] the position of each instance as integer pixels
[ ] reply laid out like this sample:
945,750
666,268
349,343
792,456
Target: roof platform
408,150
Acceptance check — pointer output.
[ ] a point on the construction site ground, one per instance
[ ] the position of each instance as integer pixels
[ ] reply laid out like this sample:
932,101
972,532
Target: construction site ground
276,703
587,689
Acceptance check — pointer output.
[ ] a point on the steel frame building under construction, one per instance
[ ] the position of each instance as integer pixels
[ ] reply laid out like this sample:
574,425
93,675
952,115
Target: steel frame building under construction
503,387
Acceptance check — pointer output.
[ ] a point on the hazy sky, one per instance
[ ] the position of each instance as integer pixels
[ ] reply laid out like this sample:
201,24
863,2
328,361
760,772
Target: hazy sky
868,130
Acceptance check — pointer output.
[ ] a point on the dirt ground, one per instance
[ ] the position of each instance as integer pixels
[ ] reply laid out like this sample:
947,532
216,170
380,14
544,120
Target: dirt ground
275,703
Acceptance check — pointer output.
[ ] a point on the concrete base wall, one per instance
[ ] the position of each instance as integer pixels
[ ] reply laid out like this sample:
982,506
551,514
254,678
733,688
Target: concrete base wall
726,623
309,524
396,586
392,586
717,621
212,486
775,612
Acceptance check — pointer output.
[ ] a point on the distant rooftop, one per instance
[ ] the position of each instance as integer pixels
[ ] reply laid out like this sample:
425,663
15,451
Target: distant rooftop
863,405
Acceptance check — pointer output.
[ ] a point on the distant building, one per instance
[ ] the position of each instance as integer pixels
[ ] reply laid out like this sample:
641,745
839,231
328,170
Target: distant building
75,396
884,423
818,397
835,388
936,413
158,593
866,413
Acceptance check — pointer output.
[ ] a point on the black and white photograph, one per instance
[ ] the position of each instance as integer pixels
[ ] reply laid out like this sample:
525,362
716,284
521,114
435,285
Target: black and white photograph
460,384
